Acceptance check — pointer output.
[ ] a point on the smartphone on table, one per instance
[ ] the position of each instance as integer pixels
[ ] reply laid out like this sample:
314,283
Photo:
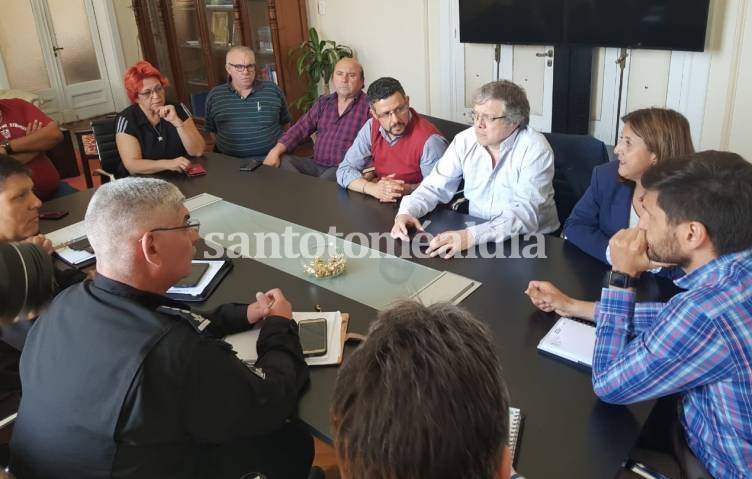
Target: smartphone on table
313,336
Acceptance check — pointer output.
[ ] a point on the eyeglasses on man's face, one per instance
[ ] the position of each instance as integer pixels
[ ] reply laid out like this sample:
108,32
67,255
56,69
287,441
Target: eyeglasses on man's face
399,111
484,119
240,68
189,225
157,90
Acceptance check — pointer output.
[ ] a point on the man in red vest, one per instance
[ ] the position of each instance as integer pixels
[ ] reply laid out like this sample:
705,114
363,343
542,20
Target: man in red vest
400,145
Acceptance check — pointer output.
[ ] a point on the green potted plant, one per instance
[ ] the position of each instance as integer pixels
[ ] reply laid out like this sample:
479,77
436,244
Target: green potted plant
316,59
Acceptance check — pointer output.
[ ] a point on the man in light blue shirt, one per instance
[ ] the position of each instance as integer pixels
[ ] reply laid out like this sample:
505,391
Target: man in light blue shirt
508,170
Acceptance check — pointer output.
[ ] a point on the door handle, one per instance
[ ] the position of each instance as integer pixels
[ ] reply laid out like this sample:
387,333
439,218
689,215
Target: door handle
57,49
549,54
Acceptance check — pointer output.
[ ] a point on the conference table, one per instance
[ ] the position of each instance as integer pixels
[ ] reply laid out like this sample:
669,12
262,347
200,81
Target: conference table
567,432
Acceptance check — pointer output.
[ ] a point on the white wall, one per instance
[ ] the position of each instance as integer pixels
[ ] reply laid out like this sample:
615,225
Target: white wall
728,103
390,38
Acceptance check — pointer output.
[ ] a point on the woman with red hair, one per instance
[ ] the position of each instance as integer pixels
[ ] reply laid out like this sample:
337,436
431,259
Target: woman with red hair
152,135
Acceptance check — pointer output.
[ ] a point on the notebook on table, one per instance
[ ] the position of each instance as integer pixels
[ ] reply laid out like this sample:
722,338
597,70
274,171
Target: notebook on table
572,340
515,430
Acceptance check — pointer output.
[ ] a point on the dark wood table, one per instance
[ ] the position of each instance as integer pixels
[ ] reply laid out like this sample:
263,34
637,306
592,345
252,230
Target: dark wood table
568,431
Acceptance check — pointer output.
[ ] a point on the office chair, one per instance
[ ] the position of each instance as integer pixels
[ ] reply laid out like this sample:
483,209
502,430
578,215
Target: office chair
104,135
450,129
575,156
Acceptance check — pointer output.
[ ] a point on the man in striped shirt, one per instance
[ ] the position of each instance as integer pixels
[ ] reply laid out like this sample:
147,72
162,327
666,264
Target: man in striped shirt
335,119
698,215
246,115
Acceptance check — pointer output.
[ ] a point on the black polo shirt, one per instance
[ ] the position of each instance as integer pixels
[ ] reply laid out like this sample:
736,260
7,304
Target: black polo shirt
160,142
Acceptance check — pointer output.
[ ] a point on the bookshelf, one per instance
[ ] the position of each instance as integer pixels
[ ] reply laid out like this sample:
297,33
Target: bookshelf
188,40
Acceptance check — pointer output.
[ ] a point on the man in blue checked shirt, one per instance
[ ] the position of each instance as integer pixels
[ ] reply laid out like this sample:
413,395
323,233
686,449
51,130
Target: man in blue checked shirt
698,215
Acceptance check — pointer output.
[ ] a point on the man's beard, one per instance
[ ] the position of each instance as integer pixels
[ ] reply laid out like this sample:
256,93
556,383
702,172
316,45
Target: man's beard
667,251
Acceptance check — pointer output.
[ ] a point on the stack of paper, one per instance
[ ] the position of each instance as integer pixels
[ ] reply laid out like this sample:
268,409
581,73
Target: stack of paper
245,343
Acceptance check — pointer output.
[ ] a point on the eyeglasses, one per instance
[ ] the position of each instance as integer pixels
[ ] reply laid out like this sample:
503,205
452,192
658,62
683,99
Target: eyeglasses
157,90
484,119
190,225
400,110
241,68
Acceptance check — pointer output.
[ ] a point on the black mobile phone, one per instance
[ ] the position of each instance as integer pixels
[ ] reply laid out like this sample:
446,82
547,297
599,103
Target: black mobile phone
197,272
52,215
250,166
313,336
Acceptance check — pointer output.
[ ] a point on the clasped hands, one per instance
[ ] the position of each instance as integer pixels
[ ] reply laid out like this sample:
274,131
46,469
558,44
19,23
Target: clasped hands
388,189
271,303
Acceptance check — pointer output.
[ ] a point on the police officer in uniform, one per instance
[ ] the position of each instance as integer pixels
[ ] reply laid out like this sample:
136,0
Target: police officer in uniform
120,381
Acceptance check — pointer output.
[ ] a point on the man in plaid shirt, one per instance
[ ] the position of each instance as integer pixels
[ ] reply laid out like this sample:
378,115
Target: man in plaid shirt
335,119
698,215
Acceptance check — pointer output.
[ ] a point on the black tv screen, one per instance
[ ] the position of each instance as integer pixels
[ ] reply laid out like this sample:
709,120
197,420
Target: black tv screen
654,24
526,22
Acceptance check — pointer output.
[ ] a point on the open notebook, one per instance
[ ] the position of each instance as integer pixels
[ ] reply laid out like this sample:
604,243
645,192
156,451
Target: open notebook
515,431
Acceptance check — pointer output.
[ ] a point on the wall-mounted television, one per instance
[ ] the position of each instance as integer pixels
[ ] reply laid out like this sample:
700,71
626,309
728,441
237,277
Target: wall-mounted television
653,24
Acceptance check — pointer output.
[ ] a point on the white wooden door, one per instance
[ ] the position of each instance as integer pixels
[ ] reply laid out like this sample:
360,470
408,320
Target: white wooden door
469,66
63,46
532,68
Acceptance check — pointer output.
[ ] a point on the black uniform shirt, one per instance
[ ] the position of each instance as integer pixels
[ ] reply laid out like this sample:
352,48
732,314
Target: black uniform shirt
133,121
114,388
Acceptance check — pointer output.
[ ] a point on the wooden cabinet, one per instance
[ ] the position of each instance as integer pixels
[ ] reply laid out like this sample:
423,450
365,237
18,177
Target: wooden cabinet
188,39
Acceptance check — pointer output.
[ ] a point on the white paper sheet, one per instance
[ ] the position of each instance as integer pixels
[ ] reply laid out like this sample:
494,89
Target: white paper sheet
195,202
245,343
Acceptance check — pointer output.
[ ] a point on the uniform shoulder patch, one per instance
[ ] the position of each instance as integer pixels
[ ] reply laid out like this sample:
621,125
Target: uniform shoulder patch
250,364
198,322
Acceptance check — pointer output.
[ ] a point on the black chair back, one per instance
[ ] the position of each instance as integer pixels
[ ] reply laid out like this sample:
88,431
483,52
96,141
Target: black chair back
575,156
104,134
447,128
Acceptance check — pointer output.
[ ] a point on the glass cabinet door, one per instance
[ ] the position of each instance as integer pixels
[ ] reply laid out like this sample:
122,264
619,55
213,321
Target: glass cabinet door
224,33
260,33
190,47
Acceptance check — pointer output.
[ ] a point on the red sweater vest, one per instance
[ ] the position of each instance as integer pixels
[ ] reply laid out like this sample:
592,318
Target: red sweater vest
403,158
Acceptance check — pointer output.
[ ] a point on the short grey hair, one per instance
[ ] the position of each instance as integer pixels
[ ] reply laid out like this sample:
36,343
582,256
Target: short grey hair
516,106
238,48
121,211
